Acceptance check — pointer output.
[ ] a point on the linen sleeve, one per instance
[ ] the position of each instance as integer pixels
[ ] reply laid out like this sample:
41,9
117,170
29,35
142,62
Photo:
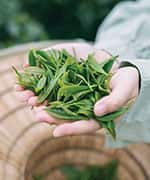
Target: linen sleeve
134,127
125,32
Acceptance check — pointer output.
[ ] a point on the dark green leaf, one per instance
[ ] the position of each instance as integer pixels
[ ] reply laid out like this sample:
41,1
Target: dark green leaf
34,70
61,114
107,64
32,57
41,84
113,115
95,66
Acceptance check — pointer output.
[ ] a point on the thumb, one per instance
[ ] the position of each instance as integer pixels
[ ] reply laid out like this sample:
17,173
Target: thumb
118,98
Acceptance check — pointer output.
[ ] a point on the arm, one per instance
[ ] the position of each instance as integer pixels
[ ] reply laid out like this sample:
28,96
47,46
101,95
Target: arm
126,30
134,127
133,45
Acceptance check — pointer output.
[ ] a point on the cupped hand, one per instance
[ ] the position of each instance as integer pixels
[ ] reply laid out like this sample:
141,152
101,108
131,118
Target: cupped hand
124,86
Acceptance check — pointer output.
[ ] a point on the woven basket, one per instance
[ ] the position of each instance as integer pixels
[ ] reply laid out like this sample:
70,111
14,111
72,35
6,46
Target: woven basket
27,147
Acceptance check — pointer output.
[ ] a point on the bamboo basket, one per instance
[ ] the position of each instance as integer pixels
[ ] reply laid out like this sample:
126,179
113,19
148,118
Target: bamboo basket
27,147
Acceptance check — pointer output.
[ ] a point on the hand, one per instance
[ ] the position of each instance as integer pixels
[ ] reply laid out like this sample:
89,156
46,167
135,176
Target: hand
123,89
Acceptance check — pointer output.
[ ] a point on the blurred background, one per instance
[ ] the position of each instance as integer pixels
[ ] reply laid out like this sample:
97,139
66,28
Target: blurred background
34,20
27,148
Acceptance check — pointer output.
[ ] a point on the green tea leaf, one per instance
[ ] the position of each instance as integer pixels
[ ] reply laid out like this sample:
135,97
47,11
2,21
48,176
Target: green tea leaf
72,90
16,71
95,66
113,115
41,84
47,57
107,64
111,128
65,80
61,114
32,57
34,70
43,95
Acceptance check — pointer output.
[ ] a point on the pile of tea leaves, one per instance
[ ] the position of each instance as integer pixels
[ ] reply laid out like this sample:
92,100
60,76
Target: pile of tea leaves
71,87
90,172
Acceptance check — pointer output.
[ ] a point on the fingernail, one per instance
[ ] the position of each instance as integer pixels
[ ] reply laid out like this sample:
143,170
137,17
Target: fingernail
100,109
18,87
25,65
56,134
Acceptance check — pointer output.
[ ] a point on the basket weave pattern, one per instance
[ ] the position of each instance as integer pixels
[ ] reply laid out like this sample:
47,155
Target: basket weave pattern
27,147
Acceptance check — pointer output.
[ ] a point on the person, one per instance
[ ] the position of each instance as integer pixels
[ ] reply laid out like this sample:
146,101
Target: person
125,32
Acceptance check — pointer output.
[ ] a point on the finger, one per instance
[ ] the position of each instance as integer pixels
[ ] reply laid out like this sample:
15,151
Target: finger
118,98
79,50
121,78
39,108
23,96
25,65
32,101
123,88
114,67
76,128
101,55
18,88
43,116
45,103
